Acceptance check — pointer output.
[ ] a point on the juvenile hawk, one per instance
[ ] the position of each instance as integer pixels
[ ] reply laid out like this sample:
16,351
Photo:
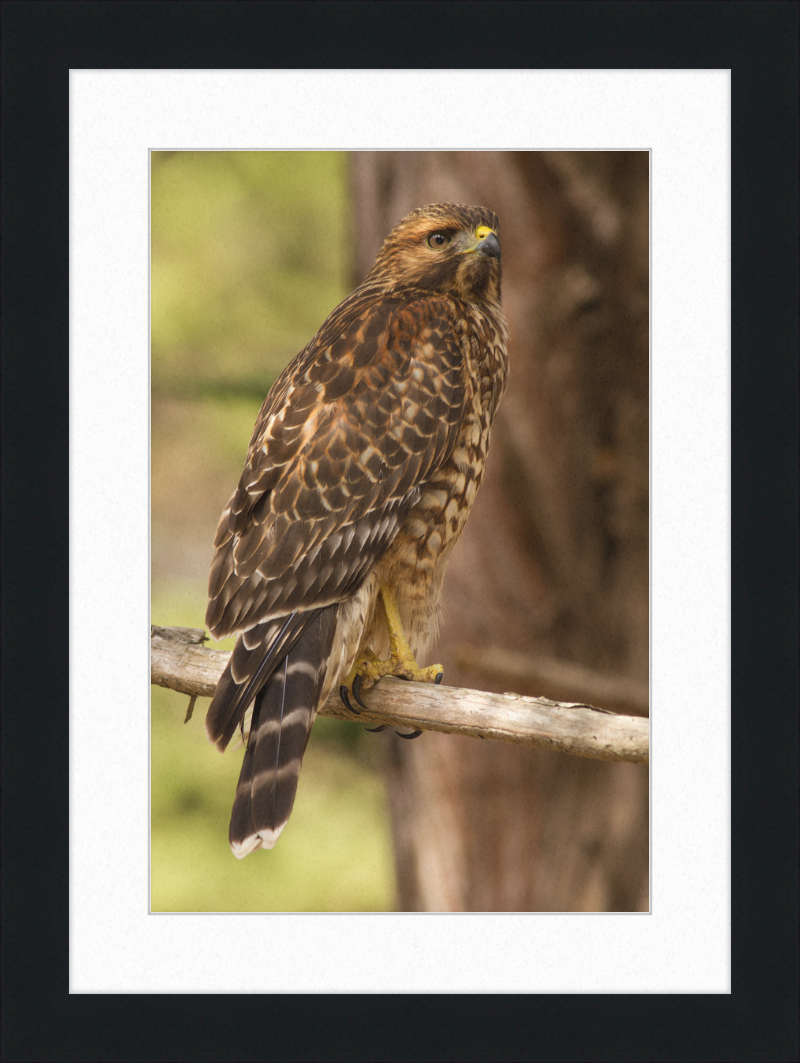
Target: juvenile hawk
361,472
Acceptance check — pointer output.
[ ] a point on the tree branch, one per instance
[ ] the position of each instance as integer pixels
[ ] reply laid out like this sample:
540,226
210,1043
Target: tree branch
178,660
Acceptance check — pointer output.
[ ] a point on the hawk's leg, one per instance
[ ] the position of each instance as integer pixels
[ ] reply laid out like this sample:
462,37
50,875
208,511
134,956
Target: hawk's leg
401,660
369,668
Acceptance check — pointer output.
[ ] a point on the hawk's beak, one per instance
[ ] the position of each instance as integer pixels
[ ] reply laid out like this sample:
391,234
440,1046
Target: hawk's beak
489,246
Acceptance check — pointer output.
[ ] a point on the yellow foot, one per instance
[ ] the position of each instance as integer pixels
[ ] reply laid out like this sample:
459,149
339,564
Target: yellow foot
369,668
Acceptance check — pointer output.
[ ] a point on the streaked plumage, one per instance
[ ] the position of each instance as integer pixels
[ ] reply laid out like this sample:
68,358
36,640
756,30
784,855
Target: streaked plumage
361,471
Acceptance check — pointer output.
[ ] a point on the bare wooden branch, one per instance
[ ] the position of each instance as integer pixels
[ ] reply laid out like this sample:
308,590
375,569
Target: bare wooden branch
181,662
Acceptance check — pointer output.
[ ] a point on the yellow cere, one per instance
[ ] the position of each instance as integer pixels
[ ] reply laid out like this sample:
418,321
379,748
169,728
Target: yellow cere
482,231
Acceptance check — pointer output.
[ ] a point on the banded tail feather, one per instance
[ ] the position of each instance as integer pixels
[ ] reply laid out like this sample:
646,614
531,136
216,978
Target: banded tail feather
284,670
255,656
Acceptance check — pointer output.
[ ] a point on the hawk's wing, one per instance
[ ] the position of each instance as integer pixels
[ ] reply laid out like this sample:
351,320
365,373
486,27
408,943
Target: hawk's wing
367,412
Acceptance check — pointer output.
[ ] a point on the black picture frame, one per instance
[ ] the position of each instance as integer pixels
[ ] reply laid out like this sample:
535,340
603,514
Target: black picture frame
40,43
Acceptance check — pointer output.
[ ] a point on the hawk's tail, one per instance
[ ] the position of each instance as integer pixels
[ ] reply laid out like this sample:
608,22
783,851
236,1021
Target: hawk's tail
286,702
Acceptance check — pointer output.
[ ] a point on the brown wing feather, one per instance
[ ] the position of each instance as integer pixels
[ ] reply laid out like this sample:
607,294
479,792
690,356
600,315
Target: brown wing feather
363,415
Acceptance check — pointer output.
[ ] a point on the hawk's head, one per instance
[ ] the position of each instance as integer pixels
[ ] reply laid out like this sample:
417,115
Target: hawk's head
444,247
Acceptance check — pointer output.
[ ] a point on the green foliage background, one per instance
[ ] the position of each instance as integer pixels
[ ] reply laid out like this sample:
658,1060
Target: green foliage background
250,251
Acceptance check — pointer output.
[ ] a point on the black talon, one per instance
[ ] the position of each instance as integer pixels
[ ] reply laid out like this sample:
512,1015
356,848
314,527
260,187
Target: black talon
380,727
357,691
414,734
439,678
346,700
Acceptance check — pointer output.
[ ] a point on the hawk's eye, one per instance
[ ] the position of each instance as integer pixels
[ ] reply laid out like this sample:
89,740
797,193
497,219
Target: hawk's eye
438,240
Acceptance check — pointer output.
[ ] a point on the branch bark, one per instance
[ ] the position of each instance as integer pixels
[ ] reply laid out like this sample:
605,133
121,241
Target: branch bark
179,661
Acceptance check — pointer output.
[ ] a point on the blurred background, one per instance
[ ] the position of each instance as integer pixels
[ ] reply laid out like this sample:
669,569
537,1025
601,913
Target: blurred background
546,593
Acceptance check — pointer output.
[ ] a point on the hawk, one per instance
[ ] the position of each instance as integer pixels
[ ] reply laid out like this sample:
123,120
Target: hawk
362,468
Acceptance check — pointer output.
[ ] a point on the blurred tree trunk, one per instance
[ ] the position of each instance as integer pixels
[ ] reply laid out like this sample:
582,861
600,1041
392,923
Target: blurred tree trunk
554,560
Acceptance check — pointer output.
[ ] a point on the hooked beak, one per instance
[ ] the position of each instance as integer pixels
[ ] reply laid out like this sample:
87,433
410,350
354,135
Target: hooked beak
489,246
